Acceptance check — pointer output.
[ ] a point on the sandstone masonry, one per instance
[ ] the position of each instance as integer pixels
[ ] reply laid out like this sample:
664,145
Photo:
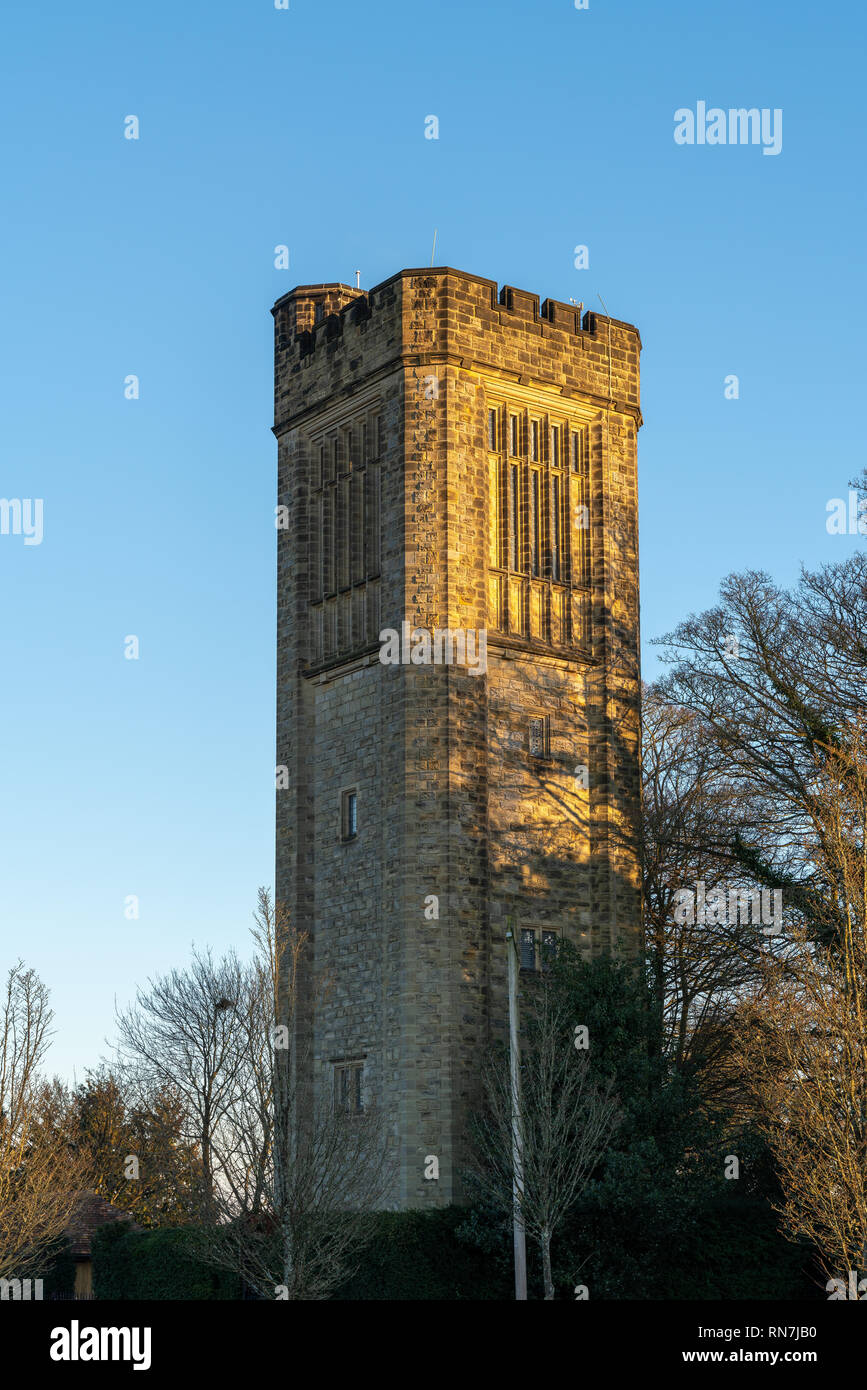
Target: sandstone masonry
451,457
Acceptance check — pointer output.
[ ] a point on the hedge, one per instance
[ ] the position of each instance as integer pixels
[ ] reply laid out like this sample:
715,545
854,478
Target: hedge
417,1255
154,1265
722,1249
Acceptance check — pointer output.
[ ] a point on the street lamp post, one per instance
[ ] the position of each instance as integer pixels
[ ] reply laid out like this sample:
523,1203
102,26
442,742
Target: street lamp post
518,1233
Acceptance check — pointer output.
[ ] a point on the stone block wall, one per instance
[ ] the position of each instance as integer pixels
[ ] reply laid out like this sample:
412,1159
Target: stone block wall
393,389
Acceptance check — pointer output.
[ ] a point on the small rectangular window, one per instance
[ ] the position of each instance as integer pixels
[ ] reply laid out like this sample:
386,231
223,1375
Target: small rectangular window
492,429
540,736
348,1092
539,947
576,451
513,435
349,814
534,440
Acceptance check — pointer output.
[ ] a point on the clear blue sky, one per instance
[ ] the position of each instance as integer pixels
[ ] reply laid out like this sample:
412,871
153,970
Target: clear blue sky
156,257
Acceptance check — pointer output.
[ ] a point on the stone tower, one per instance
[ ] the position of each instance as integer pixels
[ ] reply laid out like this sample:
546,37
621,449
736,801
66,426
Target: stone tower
450,459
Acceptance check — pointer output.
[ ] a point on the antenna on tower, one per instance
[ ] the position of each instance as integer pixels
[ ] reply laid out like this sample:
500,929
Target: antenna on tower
358,279
434,251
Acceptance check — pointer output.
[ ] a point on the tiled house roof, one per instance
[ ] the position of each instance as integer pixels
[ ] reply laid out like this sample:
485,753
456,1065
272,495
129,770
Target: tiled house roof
89,1213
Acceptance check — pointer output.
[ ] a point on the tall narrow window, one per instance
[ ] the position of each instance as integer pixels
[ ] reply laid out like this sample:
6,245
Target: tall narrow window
579,502
528,949
495,521
556,544
534,440
492,429
535,523
514,523
328,541
344,542
539,737
555,446
356,521
349,814
371,521
316,549
513,435
343,534
348,1094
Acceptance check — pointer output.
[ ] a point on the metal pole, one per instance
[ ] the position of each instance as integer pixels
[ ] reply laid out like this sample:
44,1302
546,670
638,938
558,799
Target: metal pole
519,1236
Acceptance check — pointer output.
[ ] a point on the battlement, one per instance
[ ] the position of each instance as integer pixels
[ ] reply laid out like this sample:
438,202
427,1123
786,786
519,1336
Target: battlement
329,306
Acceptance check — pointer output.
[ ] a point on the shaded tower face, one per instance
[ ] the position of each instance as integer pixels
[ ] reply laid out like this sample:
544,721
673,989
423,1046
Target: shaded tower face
458,681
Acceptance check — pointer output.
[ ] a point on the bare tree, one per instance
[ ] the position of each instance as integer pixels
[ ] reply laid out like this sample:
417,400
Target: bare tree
40,1177
698,970
565,1117
300,1176
774,675
184,1034
804,1038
